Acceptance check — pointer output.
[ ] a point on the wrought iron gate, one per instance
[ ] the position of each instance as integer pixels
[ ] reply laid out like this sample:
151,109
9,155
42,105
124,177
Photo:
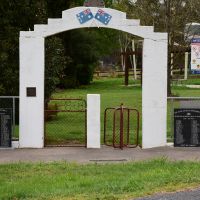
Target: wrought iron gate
121,127
65,122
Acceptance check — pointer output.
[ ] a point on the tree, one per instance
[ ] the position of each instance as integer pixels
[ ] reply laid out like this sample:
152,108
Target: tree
15,16
169,16
178,14
85,47
55,61
19,16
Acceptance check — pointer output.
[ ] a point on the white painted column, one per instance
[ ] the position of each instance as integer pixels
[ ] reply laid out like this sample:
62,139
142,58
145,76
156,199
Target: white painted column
31,108
93,121
186,66
154,94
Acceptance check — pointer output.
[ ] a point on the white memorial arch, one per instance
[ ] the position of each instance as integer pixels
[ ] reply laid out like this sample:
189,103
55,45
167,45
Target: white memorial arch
32,63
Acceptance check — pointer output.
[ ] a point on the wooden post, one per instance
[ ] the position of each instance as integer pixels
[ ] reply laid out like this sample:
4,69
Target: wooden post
186,66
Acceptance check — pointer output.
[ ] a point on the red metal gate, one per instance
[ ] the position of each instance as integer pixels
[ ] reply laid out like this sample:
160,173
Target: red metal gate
120,134
65,122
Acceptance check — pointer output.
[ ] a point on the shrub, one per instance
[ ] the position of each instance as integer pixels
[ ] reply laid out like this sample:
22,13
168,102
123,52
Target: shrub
84,74
52,111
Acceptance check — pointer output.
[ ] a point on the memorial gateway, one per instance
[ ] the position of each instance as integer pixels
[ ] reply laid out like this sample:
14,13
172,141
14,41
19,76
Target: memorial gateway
32,62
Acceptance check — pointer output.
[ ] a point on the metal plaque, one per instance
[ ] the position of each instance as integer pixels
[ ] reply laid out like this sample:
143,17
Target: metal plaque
31,91
5,127
94,3
186,127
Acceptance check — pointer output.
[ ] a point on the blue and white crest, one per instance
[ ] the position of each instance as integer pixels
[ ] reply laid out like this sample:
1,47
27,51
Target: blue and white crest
85,16
103,17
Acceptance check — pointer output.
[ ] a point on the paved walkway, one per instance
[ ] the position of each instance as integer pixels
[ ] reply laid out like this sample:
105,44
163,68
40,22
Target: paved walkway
105,154
184,195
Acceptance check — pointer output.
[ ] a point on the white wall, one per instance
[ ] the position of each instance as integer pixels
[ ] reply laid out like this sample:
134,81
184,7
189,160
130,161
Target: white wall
31,108
154,93
93,121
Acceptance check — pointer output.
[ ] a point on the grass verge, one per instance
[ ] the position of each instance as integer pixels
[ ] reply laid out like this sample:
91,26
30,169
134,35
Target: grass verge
65,181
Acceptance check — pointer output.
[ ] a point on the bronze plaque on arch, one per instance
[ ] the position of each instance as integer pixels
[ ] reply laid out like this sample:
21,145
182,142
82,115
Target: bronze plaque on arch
31,91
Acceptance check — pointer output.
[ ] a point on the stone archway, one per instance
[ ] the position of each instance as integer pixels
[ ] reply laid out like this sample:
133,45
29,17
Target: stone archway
32,62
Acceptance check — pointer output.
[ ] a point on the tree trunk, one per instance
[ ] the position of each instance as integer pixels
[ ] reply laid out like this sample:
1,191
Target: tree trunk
169,72
126,70
122,59
134,60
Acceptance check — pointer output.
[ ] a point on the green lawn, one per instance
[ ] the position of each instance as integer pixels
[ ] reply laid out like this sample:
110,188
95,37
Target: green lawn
113,93
46,181
66,128
61,181
191,81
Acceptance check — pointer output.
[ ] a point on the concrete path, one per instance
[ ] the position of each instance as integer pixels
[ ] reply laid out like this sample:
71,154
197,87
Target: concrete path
184,195
105,154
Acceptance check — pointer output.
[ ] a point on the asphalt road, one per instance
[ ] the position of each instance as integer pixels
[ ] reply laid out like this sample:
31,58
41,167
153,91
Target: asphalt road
184,195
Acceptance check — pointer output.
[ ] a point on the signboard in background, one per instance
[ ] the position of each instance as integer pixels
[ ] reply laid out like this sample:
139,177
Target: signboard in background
195,56
5,127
